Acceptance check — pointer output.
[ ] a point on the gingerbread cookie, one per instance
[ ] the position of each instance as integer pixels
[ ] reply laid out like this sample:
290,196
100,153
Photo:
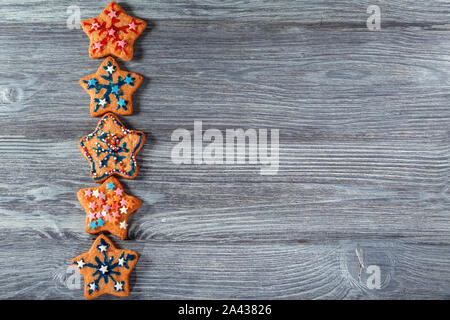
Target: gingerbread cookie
113,32
108,208
111,89
111,149
106,269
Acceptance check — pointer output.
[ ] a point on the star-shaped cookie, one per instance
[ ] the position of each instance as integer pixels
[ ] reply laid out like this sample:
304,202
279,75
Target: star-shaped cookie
111,149
105,268
113,32
108,208
111,89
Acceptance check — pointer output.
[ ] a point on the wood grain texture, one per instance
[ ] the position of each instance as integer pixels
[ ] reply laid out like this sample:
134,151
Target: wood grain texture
364,157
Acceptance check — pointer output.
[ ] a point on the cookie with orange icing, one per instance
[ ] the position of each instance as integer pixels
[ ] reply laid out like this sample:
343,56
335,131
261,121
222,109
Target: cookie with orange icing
111,89
111,149
108,208
105,268
113,32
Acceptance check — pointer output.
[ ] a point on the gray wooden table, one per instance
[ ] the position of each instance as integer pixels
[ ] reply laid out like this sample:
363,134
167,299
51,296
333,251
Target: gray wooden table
363,179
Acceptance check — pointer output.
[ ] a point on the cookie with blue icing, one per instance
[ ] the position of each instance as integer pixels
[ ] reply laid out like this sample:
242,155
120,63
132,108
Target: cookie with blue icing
111,149
105,268
111,89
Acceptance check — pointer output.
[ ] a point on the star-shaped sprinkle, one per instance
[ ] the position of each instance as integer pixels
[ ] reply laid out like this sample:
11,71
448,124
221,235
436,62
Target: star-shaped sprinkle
81,263
95,193
106,269
88,193
121,44
92,286
111,149
103,269
98,45
123,210
100,202
112,14
116,206
91,82
92,205
102,102
111,32
110,186
123,225
111,27
118,286
111,89
115,89
118,192
128,79
107,219
102,247
110,68
121,103
132,26
95,25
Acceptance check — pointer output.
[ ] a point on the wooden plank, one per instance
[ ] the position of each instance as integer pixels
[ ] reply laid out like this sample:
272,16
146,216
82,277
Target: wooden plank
323,13
171,270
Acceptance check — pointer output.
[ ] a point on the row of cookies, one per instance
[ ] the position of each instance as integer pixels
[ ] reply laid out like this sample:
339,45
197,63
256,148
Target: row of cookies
111,150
